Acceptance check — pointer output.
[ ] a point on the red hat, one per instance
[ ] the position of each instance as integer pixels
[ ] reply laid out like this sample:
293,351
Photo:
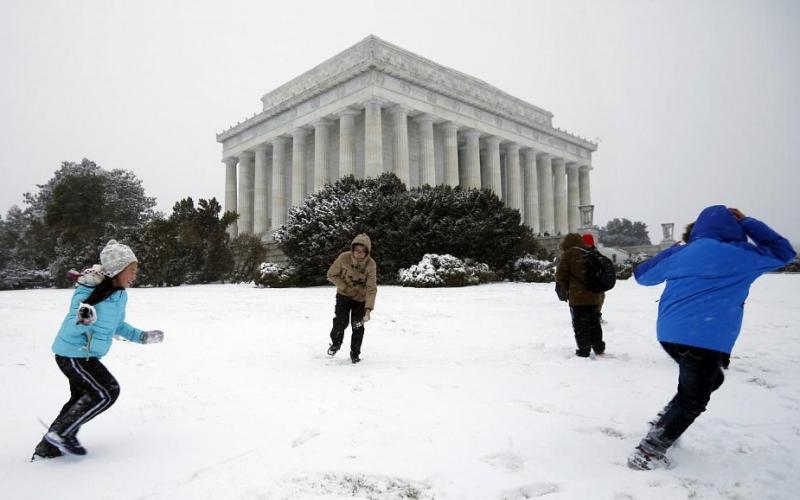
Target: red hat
588,239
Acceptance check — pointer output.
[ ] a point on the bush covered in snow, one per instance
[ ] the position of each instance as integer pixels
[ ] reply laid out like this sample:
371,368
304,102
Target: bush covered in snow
625,270
14,277
403,224
532,269
276,276
444,271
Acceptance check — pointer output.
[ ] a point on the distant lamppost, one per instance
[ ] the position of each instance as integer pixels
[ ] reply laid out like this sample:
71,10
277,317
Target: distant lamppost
587,215
668,228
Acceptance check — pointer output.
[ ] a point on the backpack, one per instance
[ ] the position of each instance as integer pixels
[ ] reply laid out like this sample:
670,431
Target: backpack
600,273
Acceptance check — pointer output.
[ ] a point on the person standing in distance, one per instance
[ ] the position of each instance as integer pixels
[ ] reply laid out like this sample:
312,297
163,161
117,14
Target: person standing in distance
354,274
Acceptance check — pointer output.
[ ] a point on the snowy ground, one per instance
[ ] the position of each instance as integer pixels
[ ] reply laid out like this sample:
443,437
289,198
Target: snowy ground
469,393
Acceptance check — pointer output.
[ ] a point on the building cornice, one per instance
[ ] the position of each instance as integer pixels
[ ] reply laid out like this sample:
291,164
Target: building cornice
372,53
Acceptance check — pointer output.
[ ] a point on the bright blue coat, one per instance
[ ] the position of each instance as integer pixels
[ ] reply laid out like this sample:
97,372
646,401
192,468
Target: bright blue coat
709,278
84,341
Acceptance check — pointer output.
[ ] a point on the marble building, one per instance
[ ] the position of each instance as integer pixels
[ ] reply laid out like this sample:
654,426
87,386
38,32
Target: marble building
375,108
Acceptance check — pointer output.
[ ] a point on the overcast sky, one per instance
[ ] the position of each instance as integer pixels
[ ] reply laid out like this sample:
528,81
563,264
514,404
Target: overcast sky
693,102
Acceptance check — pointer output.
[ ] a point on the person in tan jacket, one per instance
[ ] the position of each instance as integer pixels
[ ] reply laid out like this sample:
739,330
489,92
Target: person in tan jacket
584,305
353,272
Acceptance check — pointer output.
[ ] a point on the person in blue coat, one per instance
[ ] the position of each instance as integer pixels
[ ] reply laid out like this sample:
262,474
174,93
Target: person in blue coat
96,314
700,312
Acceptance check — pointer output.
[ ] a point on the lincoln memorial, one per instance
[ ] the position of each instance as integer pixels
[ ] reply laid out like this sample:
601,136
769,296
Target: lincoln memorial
376,108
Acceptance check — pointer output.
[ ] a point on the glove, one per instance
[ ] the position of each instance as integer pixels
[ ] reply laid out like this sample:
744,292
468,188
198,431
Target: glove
86,314
151,337
366,315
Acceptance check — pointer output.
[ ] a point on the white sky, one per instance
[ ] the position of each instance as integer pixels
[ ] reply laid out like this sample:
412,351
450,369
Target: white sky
694,102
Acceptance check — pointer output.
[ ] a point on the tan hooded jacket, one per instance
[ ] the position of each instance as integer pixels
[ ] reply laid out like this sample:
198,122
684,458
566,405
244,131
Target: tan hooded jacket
353,278
571,270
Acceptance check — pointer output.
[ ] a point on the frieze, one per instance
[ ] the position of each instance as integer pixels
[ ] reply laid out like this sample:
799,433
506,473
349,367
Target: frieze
374,53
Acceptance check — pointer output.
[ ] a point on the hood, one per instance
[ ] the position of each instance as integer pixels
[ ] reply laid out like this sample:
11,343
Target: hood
572,240
362,239
718,223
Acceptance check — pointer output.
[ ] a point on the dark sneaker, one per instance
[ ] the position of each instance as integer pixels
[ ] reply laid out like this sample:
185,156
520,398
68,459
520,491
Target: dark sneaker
647,460
333,349
45,450
66,444
354,358
582,354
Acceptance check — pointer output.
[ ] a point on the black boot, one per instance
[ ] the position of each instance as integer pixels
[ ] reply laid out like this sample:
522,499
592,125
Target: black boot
354,358
333,349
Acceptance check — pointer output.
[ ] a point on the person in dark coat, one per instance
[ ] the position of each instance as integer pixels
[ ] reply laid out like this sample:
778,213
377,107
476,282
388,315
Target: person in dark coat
584,305
700,312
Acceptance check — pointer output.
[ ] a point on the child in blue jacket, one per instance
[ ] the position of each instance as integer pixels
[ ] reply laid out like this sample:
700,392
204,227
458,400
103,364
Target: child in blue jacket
96,314
700,312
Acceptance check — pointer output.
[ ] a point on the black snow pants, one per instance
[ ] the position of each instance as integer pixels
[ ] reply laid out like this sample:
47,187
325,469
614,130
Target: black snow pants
588,332
348,310
700,374
92,391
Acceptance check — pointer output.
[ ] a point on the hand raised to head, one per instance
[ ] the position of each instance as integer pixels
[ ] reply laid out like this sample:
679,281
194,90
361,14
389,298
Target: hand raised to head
736,213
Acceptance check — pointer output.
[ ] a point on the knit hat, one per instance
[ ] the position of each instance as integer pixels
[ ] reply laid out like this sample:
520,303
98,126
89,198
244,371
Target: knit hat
588,239
115,257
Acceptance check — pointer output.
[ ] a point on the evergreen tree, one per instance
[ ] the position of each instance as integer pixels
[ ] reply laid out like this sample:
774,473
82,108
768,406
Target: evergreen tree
71,217
189,247
624,233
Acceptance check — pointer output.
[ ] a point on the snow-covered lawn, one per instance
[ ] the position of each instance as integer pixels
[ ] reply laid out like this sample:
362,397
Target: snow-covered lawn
467,393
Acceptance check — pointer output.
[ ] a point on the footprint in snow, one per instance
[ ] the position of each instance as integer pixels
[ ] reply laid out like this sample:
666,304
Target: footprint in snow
508,461
304,437
533,490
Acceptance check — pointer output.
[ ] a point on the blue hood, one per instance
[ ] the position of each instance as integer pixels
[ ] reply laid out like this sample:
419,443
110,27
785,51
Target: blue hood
718,223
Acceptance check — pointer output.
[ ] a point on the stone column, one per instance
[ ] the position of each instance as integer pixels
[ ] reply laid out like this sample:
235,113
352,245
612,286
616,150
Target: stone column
246,182
347,147
427,160
514,179
493,165
573,197
400,125
560,195
473,160
450,130
261,190
230,193
320,154
531,191
544,169
298,165
373,140
279,147
585,188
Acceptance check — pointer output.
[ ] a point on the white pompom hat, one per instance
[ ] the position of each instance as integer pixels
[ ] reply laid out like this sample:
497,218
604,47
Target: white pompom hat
115,257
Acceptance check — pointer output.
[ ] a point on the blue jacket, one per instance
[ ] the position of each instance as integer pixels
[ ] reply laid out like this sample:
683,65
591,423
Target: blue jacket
84,341
709,278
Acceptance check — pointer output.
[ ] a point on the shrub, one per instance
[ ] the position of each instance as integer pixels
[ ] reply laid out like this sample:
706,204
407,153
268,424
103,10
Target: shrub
15,277
531,269
248,257
444,271
625,269
276,276
403,225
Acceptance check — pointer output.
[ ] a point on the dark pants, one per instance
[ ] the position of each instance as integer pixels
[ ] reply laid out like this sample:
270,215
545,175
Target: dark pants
700,374
351,311
588,332
92,391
